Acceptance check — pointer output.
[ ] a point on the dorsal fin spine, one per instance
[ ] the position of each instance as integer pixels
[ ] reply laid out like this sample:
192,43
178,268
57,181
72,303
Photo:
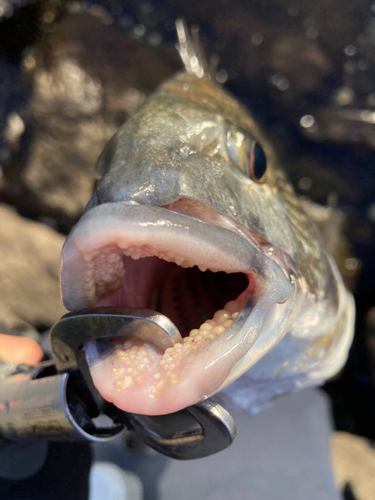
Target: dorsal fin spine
191,51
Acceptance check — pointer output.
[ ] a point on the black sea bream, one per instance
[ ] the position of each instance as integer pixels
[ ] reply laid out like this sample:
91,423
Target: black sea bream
194,217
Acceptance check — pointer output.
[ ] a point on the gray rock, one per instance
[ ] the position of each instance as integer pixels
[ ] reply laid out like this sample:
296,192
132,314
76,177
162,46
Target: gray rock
29,273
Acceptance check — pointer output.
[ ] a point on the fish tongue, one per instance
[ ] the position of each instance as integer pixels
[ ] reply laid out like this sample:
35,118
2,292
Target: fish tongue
139,378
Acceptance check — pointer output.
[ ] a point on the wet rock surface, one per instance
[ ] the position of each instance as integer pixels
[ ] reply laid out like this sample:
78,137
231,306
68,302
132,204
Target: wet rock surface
85,82
29,270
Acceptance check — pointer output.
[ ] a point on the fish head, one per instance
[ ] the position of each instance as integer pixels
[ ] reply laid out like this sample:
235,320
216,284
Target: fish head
191,216
193,141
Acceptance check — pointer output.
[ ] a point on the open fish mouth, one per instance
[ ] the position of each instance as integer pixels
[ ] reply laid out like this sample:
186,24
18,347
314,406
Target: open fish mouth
188,262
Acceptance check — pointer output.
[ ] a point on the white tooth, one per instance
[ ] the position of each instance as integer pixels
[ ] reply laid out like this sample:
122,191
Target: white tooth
89,286
232,306
179,260
136,256
202,268
90,294
221,315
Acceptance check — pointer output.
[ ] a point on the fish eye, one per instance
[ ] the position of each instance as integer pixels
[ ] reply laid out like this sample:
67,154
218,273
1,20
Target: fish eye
257,163
247,154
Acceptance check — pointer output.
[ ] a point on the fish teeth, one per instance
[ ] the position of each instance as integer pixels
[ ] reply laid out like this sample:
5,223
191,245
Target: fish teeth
90,293
221,316
89,285
104,268
233,306
113,258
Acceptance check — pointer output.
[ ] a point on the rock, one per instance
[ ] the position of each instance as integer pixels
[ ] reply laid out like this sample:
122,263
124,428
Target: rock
29,273
86,81
354,464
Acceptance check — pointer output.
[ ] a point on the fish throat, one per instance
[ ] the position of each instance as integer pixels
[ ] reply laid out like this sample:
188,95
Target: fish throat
202,304
187,295
199,274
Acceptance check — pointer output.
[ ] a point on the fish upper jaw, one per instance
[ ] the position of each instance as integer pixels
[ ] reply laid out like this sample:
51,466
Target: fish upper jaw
102,266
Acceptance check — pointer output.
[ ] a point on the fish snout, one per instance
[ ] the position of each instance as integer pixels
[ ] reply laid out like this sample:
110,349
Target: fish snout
143,185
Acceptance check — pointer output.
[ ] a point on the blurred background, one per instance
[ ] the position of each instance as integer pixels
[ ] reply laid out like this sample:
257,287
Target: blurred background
72,72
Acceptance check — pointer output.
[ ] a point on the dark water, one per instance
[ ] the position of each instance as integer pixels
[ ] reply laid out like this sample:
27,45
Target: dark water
305,69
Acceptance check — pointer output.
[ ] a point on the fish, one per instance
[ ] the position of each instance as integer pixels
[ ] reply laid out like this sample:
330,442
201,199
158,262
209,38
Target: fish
193,216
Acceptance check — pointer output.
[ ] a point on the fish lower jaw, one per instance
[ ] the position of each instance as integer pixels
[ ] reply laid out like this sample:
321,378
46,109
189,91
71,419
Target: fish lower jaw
139,379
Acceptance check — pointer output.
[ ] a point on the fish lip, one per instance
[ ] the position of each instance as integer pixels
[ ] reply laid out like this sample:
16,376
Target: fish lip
272,285
269,277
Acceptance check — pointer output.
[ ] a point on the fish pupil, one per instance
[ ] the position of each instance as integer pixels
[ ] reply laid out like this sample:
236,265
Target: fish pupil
258,162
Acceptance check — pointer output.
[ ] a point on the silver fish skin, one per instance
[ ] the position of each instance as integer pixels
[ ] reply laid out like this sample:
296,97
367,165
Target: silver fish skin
174,182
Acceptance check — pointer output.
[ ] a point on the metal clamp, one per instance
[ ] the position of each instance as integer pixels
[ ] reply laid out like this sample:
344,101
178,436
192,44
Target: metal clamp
196,432
59,399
